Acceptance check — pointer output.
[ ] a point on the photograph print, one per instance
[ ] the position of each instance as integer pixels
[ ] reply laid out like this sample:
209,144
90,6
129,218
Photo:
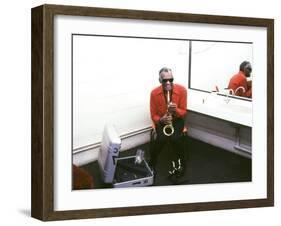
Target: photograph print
156,111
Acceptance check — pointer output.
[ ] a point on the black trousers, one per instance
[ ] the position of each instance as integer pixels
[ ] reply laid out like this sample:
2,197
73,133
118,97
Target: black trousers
176,141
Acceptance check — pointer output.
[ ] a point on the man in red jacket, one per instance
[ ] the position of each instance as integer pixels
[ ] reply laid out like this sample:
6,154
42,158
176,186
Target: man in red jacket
163,113
239,84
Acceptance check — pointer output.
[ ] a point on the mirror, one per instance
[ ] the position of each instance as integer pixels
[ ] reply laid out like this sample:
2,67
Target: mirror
214,63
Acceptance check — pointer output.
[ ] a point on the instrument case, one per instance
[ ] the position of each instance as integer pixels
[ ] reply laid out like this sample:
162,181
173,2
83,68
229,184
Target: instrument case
124,171
128,173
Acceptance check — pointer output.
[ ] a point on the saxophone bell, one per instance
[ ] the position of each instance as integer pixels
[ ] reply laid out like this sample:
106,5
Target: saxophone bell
168,130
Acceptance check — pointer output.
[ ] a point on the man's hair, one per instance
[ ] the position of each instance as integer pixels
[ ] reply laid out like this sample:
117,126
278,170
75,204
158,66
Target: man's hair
164,69
243,65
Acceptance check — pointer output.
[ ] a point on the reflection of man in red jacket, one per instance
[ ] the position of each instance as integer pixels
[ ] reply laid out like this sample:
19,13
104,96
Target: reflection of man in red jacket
163,113
239,84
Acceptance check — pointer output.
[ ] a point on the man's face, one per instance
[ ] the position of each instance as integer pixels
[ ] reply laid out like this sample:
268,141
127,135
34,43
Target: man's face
248,70
167,80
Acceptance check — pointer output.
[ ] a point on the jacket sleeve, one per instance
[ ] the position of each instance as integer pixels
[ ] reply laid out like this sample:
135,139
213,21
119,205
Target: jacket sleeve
233,84
182,105
248,90
153,109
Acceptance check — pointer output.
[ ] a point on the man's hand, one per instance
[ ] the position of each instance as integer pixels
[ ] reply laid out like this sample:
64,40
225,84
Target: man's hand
166,119
172,107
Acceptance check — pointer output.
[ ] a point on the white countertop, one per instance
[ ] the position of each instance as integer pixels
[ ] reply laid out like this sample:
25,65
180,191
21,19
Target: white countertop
229,109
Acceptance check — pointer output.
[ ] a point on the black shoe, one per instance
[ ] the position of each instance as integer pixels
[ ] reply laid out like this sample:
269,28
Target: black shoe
180,168
172,173
173,169
180,172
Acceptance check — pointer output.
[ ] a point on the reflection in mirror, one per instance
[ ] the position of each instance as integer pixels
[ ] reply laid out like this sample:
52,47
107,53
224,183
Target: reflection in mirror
221,66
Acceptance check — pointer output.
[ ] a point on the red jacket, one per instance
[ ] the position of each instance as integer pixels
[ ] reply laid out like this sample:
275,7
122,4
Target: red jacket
158,105
240,80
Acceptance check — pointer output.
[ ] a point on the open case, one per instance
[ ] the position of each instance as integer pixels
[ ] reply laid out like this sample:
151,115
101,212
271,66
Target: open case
131,171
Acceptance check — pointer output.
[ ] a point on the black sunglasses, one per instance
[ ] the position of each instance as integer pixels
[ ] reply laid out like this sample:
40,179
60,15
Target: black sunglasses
248,68
166,80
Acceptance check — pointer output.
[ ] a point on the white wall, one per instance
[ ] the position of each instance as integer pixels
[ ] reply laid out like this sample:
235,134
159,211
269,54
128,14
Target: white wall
15,113
113,78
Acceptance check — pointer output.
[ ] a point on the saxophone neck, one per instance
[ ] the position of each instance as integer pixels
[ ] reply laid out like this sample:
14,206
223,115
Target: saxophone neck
168,102
168,97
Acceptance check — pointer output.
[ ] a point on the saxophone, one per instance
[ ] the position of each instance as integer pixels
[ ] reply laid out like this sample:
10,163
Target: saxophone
168,129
